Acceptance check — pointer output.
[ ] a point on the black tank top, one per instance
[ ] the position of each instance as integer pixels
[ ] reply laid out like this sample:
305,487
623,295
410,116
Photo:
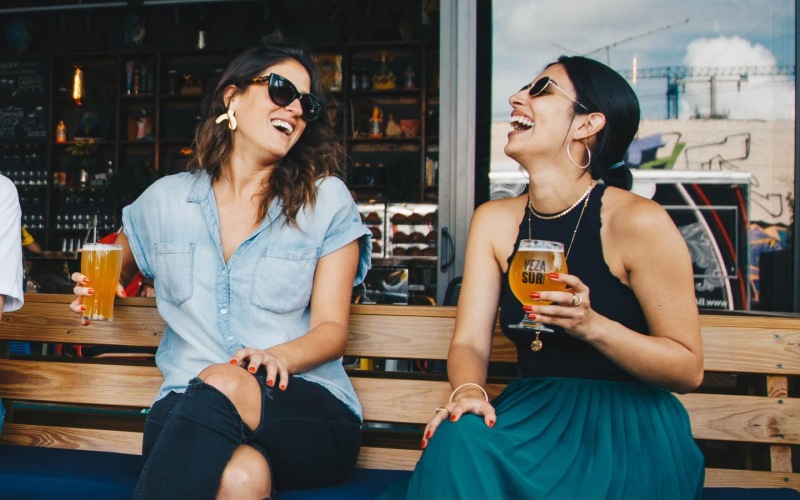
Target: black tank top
563,355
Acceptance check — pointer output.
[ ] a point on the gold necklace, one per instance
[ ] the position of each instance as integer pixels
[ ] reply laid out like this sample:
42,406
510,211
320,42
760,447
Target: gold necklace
584,197
563,213
536,344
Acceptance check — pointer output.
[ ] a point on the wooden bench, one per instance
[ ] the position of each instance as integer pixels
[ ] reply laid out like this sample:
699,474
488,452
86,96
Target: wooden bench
96,403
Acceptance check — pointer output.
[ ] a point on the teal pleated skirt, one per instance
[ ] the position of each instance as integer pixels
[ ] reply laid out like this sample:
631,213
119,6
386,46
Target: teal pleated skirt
562,438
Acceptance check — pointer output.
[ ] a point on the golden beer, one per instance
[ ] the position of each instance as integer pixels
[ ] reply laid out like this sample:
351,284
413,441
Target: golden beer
530,270
102,264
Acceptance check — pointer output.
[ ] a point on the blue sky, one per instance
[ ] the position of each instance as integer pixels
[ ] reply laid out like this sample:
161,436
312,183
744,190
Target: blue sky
719,33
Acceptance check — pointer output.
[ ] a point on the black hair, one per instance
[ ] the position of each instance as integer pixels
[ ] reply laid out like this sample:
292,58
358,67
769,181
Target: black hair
603,90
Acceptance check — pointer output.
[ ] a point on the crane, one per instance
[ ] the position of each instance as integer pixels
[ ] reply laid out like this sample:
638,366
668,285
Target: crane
607,48
677,75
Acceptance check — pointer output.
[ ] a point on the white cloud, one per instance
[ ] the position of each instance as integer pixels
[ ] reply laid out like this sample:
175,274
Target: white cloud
756,97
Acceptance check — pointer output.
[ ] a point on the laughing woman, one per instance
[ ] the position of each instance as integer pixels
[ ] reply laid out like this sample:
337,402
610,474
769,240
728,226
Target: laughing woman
592,415
254,255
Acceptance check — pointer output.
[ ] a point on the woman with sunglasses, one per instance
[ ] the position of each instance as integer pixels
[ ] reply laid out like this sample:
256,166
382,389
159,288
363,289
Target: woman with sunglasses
592,415
254,254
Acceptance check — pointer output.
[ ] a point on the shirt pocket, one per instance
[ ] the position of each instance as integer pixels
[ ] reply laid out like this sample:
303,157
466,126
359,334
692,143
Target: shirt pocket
174,262
283,277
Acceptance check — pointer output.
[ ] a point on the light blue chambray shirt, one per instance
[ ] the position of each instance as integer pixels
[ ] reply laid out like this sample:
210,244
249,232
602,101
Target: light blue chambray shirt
259,298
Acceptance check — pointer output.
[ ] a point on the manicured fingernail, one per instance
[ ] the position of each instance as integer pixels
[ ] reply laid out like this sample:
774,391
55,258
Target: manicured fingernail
233,362
423,444
531,316
90,291
85,280
83,308
452,418
252,369
428,435
491,423
283,387
270,383
554,276
527,308
535,295
124,295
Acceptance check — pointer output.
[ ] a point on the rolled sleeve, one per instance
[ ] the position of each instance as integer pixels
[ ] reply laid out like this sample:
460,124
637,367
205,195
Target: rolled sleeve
345,224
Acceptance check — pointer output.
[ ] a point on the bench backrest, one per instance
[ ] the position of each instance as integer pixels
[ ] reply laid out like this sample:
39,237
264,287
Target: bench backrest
112,385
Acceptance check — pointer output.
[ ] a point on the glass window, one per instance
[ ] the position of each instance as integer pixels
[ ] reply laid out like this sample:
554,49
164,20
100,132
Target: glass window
716,145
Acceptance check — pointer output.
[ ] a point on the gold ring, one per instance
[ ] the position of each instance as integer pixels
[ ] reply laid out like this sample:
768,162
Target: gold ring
442,408
576,300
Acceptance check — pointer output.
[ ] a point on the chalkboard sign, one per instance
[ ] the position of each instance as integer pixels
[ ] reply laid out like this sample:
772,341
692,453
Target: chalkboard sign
23,79
23,122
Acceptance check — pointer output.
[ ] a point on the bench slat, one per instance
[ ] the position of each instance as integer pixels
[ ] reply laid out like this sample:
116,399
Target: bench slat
72,438
734,478
387,458
61,382
744,418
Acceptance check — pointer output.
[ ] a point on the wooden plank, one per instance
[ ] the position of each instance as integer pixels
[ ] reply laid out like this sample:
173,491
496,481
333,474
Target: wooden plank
751,350
387,458
406,401
47,318
73,438
751,419
399,337
84,383
734,478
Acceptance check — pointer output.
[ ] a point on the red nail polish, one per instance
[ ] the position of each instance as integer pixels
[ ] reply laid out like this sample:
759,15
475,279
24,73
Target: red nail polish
283,387
270,383
531,316
423,444
233,362
527,308
124,295
90,291
554,276
85,280
428,435
83,308
252,369
491,423
452,418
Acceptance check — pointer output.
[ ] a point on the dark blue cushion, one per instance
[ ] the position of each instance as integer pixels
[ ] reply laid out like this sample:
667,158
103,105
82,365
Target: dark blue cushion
45,473
28,473
750,494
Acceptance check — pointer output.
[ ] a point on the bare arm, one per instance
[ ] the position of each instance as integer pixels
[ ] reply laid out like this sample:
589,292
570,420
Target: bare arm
327,337
491,240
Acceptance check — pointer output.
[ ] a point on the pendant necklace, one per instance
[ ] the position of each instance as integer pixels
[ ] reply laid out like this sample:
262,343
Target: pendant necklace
536,344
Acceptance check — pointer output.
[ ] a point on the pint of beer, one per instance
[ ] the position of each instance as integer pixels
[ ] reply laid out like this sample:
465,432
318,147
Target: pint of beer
529,271
101,263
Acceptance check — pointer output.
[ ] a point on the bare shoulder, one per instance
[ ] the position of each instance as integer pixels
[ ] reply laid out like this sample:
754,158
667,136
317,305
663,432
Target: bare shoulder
499,215
627,214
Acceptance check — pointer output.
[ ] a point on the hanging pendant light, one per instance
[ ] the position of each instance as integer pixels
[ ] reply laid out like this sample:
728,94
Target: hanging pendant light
77,85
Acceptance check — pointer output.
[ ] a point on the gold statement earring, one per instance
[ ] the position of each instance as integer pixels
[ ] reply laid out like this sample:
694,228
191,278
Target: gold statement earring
588,155
229,115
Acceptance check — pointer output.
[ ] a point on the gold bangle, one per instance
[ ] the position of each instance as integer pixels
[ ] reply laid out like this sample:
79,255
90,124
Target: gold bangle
452,395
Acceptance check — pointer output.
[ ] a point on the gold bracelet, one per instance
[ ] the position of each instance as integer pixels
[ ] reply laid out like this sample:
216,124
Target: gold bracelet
452,395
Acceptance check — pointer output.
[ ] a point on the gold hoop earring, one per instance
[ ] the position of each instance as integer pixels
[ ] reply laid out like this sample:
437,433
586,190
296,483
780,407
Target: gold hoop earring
227,115
588,154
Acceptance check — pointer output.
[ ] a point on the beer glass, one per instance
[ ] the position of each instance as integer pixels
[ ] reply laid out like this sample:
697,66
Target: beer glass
530,272
102,264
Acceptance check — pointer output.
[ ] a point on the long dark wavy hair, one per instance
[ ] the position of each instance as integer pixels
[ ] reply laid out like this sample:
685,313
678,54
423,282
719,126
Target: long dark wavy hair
603,90
318,153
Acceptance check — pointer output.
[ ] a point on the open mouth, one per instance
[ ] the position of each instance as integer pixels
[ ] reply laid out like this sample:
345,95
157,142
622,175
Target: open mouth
282,126
521,122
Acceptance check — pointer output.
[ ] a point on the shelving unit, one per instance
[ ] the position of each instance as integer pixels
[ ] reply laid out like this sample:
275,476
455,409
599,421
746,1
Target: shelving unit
139,110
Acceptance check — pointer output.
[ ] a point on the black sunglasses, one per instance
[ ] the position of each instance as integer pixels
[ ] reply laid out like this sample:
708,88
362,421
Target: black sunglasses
539,85
283,92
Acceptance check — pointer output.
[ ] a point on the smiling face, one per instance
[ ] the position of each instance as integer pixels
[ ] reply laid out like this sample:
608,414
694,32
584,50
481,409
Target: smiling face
265,130
542,124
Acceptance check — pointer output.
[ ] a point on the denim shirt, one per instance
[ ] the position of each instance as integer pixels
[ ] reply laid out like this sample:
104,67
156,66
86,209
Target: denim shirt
259,298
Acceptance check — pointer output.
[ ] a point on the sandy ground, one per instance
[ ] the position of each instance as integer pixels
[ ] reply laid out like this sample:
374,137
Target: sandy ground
721,145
